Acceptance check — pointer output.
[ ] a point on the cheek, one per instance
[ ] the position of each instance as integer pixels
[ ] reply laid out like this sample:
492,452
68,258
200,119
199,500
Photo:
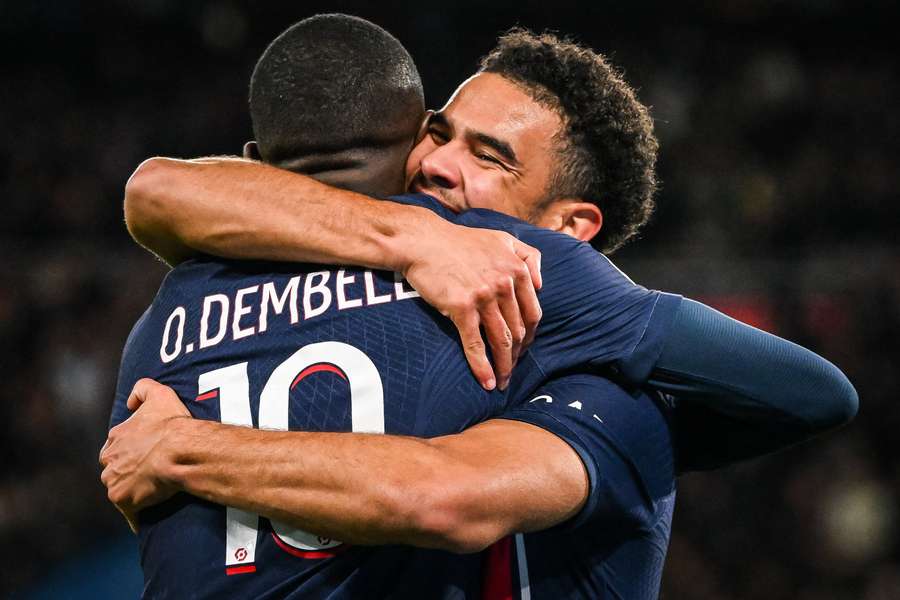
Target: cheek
485,189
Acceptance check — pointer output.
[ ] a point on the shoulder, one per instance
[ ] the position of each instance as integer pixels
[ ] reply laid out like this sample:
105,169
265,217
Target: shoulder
425,201
539,237
629,414
623,439
208,272
564,259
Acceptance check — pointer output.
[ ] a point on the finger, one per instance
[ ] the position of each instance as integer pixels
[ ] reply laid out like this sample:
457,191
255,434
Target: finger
532,258
476,355
500,340
105,476
163,398
130,517
529,308
512,315
139,393
101,456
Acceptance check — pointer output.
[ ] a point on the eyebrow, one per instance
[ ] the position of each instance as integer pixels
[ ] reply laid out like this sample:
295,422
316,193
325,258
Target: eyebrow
499,146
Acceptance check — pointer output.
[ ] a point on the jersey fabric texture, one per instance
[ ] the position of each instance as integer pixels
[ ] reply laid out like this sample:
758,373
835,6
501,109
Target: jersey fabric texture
616,546
740,392
328,349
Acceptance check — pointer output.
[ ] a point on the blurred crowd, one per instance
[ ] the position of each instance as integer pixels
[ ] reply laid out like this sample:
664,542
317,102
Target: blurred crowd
779,132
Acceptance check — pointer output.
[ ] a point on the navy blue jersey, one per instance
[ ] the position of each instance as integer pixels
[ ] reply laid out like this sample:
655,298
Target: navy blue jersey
616,546
329,349
593,314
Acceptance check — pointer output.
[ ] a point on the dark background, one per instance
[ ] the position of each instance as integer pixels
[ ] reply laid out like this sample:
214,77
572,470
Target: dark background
779,131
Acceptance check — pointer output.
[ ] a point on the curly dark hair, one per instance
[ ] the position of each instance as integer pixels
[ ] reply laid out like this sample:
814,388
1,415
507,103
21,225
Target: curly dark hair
607,147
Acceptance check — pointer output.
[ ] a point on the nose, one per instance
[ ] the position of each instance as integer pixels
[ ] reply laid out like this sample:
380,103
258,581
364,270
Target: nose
441,167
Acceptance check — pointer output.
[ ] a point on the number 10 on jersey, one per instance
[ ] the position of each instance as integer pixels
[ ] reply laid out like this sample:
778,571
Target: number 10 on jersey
232,386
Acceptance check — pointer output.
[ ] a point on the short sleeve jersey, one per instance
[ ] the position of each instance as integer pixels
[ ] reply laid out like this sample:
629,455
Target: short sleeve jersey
313,348
616,546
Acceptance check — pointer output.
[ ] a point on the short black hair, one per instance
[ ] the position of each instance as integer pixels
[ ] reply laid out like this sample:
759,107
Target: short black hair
607,146
329,83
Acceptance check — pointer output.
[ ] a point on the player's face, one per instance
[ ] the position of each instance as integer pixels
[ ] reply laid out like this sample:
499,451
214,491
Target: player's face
491,147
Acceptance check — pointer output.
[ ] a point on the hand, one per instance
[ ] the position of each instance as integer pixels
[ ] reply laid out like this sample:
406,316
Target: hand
131,455
480,278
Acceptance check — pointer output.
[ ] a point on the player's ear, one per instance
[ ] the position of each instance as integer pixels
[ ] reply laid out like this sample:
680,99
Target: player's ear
581,220
251,150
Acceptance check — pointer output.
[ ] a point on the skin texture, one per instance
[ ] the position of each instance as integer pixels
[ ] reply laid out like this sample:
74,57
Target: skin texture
461,160
457,492
492,146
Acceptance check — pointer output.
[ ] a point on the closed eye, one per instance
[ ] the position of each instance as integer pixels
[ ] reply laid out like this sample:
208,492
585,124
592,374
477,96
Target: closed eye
488,158
439,136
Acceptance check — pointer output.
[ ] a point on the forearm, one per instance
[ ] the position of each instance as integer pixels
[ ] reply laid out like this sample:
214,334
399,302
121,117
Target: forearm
242,209
235,208
288,477
354,487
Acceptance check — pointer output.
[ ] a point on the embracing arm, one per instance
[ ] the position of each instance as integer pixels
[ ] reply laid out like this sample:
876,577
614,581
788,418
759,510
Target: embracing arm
460,492
238,208
457,492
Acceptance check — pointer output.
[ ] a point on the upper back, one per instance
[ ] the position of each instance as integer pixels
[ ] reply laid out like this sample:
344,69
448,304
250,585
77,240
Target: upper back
331,349
315,349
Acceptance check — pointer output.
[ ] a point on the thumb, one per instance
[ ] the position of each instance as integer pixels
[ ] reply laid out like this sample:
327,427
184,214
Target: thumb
139,393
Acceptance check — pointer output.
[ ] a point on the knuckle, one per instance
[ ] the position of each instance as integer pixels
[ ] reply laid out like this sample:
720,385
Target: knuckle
474,345
454,308
482,293
460,304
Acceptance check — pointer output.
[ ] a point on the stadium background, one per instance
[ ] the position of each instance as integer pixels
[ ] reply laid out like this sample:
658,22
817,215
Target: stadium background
779,130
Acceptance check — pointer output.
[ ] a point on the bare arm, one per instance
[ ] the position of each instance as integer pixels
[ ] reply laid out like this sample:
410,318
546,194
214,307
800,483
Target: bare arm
237,208
242,209
459,492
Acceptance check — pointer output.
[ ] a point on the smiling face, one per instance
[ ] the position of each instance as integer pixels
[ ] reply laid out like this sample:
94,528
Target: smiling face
492,146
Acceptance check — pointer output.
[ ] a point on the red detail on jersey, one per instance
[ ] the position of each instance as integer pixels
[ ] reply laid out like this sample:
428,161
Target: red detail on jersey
240,569
315,369
308,553
207,396
496,582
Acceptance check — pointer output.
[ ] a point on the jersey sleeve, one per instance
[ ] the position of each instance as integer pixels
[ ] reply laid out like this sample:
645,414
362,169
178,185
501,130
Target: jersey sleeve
623,440
594,315
742,392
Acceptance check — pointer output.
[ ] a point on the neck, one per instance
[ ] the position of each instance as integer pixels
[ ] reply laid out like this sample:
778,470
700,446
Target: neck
375,172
